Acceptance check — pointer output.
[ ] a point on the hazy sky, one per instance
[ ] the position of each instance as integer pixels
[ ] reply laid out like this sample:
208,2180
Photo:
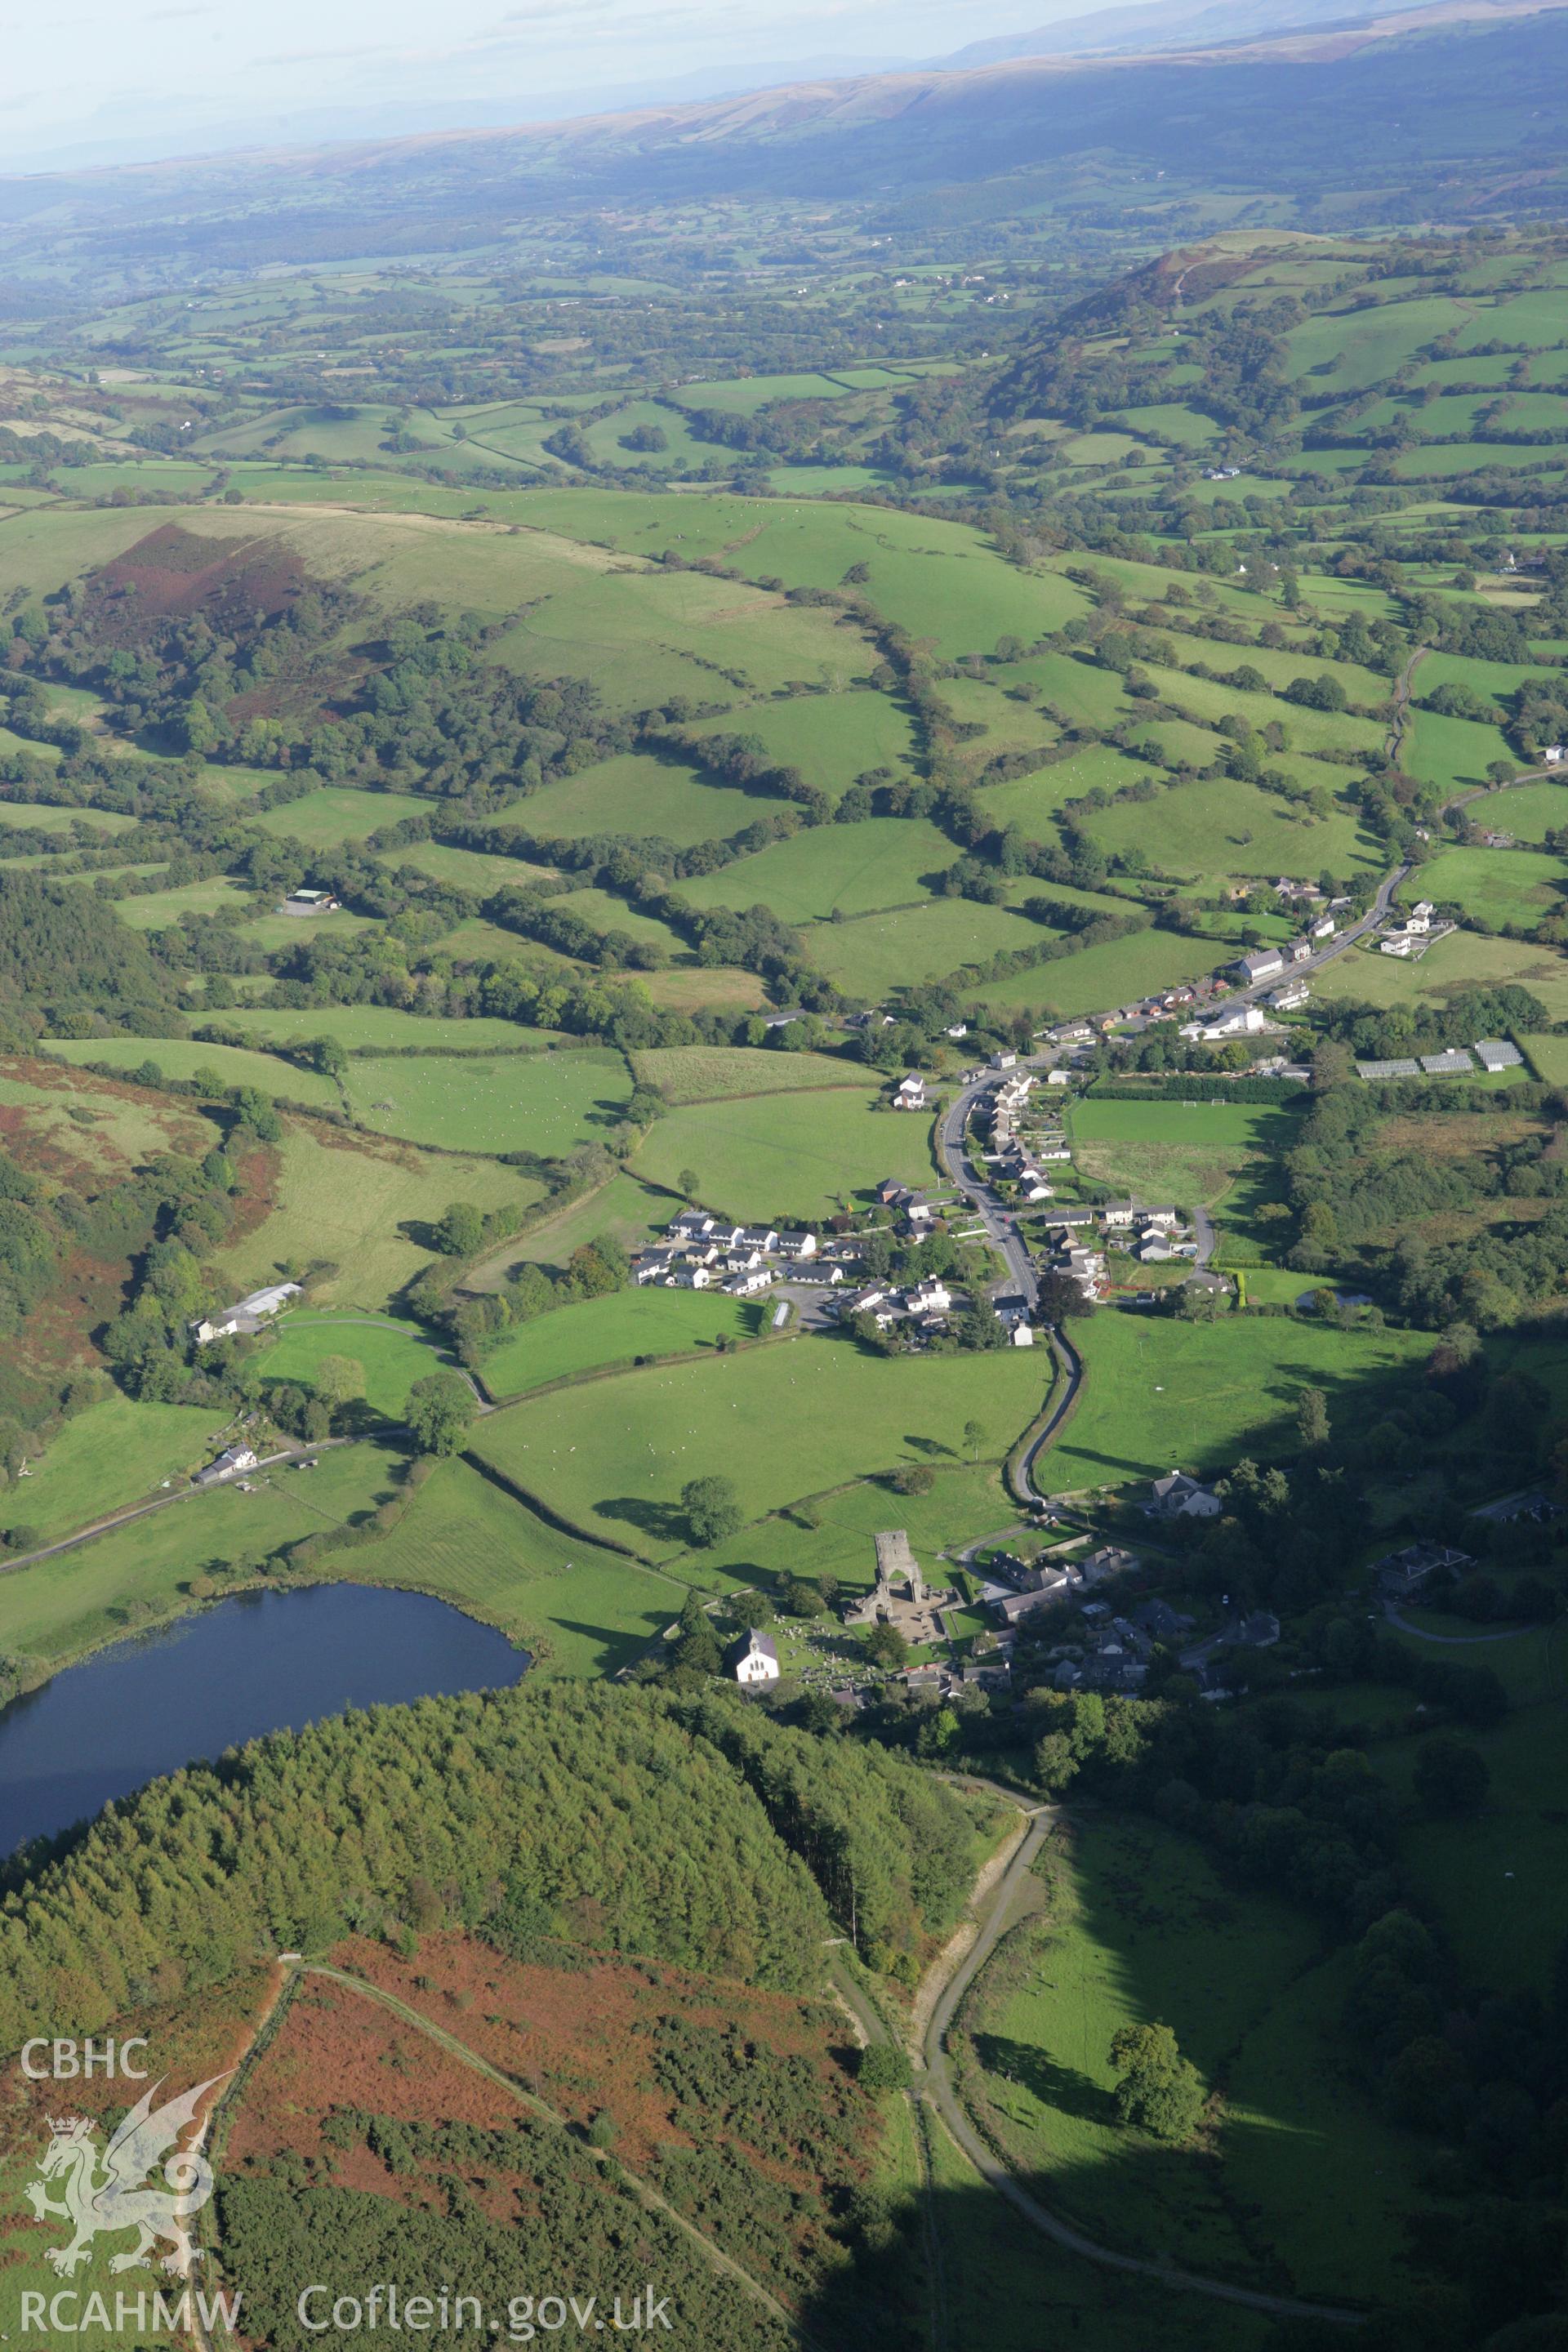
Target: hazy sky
151,75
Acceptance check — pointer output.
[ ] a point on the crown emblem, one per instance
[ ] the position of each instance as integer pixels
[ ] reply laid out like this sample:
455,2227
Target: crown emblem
67,2126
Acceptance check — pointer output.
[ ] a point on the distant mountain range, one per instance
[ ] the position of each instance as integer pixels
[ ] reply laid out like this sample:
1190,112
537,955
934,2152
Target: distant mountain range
1448,112
1158,24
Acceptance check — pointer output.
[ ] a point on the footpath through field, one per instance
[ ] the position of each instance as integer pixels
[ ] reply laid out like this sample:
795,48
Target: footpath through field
643,2191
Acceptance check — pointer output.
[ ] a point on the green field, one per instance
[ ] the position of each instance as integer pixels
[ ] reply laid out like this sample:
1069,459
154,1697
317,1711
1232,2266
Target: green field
783,1422
1454,753
155,909
599,1331
844,869
579,1609
1529,812
362,1206
182,1057
113,1453
544,1103
831,738
134,1574
1160,1394
45,817
468,869
697,1074
646,797
1494,1879
876,955
1176,1151
1223,826
1117,972
358,1026
789,1155
1462,959
392,1356
623,1210
326,818
1548,1057
1499,886
1138,1926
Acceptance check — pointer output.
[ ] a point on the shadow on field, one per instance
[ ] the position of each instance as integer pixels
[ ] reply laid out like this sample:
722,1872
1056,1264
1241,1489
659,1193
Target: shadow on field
661,1520
1059,2087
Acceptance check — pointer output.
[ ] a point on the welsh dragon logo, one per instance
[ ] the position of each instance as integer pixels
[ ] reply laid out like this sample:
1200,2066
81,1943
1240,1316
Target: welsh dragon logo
105,2189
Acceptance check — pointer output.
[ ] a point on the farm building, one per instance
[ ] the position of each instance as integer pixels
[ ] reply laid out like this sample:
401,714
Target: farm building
247,1315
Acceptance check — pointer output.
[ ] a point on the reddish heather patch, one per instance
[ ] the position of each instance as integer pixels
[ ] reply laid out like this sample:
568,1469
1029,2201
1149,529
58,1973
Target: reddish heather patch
255,1192
336,2049
172,572
570,2034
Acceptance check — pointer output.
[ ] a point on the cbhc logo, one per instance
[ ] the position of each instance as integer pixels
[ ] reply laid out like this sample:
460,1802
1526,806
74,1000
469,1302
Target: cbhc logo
67,2060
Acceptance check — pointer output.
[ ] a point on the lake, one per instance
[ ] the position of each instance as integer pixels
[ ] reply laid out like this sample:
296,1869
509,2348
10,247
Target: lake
259,1662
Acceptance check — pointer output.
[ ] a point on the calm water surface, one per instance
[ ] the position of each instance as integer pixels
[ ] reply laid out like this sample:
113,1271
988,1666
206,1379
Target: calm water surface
258,1662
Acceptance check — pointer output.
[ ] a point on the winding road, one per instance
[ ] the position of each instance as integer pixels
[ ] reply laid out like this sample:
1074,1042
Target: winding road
1002,1232
936,2084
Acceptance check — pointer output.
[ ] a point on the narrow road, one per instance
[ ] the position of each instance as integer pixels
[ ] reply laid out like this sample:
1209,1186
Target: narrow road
304,1451
1453,1641
938,2089
1070,1365
1404,687
1000,1231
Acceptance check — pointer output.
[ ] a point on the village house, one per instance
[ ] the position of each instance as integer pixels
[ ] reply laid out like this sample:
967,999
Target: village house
654,1265
1162,1622
693,1225
1259,965
1177,1496
1323,929
921,1209
247,1315
796,1246
889,1192
754,1659
228,1464
1291,997
748,1284
929,1298
1403,1575
910,1094
757,1237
